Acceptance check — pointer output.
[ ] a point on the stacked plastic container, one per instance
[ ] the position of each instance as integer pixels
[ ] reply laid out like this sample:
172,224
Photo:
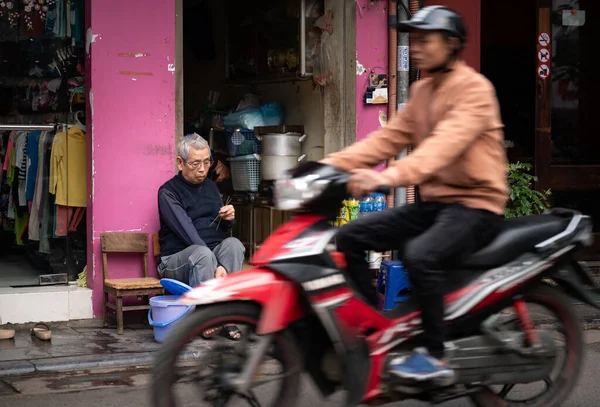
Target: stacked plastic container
244,150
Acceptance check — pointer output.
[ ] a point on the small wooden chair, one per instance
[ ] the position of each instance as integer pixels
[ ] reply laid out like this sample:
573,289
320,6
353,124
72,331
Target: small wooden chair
156,245
126,242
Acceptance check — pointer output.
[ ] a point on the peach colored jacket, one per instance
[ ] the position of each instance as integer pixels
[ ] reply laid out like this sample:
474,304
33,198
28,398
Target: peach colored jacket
457,132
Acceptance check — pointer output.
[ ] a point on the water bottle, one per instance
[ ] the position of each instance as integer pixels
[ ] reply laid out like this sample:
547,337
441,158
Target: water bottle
379,202
366,205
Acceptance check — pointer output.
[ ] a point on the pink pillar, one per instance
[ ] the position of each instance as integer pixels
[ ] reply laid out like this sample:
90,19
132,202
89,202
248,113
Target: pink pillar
131,124
371,55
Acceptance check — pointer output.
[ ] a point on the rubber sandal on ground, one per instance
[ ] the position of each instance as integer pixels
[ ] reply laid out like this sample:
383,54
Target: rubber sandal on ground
7,334
41,331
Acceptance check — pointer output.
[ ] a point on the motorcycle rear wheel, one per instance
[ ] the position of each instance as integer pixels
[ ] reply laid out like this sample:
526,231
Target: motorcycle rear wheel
558,303
190,327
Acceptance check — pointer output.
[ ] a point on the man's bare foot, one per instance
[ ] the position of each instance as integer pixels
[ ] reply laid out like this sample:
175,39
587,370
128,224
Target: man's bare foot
221,272
211,332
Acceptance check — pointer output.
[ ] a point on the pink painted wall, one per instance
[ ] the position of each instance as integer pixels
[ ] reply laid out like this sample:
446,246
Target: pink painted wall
372,54
131,124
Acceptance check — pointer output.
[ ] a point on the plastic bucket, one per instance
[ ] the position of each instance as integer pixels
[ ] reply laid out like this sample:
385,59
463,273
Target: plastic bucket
164,313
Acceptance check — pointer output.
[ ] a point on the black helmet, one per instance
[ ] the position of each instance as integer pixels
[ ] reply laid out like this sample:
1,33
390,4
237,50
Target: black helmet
437,18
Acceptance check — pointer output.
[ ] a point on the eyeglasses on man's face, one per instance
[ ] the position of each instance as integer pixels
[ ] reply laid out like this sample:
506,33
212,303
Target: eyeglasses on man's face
198,164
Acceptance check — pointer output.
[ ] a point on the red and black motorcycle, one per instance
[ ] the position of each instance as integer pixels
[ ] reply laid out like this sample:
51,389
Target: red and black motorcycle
304,311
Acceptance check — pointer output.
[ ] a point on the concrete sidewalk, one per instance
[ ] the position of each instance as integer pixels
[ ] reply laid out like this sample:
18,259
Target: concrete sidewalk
86,345
78,345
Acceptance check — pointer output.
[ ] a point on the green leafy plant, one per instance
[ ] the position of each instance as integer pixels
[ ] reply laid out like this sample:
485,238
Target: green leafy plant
524,198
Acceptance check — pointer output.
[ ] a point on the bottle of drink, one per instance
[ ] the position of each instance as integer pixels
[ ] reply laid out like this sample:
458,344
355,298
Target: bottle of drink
353,209
379,202
366,205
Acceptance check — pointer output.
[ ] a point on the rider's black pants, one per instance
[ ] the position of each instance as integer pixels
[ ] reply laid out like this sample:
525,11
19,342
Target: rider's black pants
431,237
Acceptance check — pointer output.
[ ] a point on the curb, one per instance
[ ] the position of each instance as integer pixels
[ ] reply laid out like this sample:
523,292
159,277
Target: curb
71,363
90,362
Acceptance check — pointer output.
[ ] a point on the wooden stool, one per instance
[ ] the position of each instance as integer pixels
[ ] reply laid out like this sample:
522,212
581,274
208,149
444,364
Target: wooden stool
126,242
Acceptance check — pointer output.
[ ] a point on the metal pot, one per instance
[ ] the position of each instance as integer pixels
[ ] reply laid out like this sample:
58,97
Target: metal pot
276,144
273,166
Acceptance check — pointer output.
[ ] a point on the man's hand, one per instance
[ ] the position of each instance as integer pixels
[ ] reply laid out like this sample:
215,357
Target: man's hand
222,172
221,272
227,212
365,181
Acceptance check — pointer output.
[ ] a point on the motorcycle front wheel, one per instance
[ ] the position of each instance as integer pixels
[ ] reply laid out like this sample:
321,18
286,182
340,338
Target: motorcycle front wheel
565,373
212,364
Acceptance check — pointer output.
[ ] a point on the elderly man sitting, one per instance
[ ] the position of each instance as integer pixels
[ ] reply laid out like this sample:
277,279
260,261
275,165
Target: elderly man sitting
194,224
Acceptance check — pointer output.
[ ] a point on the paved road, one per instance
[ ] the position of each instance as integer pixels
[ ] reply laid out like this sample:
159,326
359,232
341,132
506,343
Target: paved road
129,388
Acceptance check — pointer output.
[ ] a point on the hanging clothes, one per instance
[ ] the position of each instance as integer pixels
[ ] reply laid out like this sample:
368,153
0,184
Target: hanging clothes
67,220
34,210
3,147
62,24
6,224
21,168
68,174
10,176
8,151
33,142
34,17
21,224
47,202
50,18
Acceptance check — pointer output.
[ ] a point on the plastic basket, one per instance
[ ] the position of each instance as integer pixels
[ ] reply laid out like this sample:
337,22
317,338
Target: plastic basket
242,142
245,172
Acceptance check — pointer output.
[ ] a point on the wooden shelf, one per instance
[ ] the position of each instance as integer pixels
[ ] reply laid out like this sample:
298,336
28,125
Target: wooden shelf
266,79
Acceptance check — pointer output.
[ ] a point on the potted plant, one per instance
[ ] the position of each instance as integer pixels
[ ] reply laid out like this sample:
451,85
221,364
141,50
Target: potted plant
524,199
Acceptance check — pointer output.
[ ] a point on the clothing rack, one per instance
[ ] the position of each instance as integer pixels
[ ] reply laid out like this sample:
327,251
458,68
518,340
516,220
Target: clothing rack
26,127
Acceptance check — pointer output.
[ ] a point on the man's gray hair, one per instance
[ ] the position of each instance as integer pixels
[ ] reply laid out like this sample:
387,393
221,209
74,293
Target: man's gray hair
191,141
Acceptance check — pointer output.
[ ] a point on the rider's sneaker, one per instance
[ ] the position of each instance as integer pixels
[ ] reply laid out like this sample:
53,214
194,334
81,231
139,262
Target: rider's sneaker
421,367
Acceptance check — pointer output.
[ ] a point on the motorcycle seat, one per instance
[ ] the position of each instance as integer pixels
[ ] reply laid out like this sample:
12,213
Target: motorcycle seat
518,236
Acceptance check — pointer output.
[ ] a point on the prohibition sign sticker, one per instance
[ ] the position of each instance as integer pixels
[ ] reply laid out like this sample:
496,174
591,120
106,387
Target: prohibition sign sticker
544,39
543,71
543,55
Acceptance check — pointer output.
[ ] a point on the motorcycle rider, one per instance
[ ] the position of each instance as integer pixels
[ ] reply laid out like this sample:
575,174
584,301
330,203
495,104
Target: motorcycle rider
452,118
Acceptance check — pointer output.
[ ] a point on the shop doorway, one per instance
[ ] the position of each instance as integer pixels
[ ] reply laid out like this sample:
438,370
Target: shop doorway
567,157
240,54
508,60
536,57
42,144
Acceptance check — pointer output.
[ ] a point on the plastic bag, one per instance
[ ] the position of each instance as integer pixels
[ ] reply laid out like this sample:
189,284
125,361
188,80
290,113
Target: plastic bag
323,69
247,118
272,114
250,101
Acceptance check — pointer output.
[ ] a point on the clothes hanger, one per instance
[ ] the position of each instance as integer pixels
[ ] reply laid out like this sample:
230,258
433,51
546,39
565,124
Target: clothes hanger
80,121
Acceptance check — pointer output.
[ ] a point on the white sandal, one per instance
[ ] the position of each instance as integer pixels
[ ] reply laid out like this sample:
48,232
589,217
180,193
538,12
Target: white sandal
7,334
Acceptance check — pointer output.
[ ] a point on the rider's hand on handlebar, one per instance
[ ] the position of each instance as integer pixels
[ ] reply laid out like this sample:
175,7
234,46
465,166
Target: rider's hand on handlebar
364,181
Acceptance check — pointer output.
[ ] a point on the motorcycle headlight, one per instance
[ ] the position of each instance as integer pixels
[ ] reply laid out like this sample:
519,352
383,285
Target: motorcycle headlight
292,193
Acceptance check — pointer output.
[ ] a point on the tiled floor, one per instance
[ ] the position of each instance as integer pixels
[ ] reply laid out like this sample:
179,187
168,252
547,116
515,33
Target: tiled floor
15,270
